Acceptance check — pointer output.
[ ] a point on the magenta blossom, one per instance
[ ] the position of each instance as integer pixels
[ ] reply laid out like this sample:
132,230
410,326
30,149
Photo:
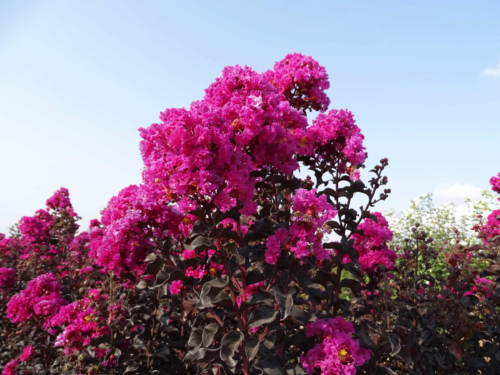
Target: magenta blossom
372,245
492,227
303,82
129,222
176,287
60,202
495,183
338,352
41,298
80,322
27,353
10,368
338,136
305,235
203,152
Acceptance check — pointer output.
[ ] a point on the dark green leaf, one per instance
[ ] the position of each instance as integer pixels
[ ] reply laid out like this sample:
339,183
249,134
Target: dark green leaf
208,334
155,266
270,365
470,300
476,363
262,315
251,347
229,234
285,301
195,340
199,229
255,276
163,352
200,243
96,341
229,344
299,315
211,289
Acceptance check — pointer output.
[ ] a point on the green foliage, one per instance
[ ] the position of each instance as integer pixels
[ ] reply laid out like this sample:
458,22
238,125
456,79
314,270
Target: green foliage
440,222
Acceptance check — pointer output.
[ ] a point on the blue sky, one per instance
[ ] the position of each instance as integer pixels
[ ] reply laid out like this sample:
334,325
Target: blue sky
77,79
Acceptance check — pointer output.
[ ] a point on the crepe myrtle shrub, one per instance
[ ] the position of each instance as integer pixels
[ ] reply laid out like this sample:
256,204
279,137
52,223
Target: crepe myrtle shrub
223,261
225,305
217,262
44,265
225,245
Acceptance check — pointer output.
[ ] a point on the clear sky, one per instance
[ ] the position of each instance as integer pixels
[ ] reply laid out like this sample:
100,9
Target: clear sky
78,78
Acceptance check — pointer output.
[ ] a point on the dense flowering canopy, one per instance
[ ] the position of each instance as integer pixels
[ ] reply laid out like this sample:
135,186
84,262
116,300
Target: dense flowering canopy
303,82
492,228
40,299
223,243
37,231
339,137
216,262
81,322
60,201
7,246
207,152
35,228
129,223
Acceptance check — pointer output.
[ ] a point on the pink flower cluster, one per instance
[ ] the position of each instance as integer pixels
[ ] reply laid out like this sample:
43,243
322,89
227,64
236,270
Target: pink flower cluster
306,232
339,137
372,245
7,246
201,271
176,287
41,298
495,184
86,270
35,228
10,368
481,288
338,352
60,202
274,245
492,227
302,81
8,278
207,152
81,322
27,353
80,243
128,222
